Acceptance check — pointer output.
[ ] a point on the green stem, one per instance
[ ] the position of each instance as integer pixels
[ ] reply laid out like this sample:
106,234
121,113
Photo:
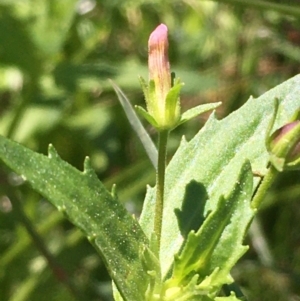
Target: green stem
160,183
264,186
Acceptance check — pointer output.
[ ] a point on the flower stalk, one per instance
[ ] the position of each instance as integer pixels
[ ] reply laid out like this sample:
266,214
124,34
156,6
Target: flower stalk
162,95
160,183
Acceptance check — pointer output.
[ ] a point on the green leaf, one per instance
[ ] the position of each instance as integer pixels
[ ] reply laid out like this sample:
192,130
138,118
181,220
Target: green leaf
115,234
151,264
194,292
206,167
189,292
189,114
136,123
197,255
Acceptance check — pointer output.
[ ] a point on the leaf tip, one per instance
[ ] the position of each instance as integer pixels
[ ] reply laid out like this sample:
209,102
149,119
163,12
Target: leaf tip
91,238
114,191
183,141
149,188
87,166
23,178
52,153
62,209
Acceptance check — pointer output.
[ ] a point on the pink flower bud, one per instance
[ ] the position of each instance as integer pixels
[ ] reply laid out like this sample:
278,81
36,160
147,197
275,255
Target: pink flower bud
162,92
161,95
159,68
279,135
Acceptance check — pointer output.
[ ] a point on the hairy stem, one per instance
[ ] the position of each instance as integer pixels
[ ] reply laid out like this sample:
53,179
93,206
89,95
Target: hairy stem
160,183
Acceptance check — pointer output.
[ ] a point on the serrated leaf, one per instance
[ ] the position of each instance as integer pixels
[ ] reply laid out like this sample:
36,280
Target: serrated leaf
197,255
188,292
115,234
204,169
151,264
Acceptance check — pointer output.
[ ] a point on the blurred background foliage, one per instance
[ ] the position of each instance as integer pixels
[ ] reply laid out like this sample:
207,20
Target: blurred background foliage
55,60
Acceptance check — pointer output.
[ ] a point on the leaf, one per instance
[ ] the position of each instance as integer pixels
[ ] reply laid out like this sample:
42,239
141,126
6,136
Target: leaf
189,292
197,255
151,264
206,167
137,125
115,234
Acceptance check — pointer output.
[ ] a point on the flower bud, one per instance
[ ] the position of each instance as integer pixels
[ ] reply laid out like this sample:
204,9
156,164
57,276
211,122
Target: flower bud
162,92
159,67
162,99
284,143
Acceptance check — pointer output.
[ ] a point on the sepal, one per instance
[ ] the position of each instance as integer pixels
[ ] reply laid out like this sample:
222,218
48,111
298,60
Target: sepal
172,106
146,115
191,113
